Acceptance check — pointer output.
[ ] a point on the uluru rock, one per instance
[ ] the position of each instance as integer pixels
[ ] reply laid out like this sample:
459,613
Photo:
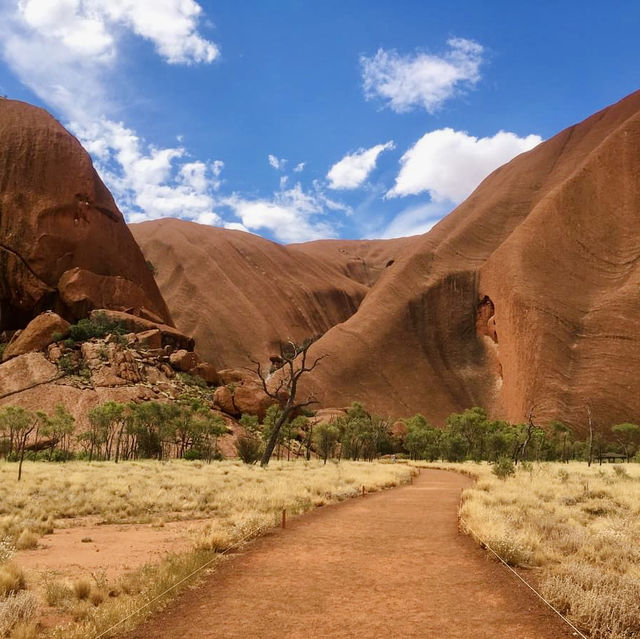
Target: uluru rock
64,245
524,297
37,335
240,295
25,372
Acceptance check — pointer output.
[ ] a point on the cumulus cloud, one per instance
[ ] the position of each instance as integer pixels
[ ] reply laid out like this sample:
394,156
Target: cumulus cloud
422,79
148,182
90,27
66,51
292,215
299,167
277,163
450,164
353,169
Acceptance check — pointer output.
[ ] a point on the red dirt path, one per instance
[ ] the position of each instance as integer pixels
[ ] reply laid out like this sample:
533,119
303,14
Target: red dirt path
390,565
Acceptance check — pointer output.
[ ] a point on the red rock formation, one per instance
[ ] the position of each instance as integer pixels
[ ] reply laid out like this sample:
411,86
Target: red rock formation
526,295
64,245
239,294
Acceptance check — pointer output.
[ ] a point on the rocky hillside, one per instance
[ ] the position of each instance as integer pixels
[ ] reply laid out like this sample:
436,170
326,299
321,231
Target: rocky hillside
239,294
525,296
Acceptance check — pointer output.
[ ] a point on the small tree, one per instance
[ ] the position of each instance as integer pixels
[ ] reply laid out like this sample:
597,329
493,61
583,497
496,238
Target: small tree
627,435
284,391
325,437
20,423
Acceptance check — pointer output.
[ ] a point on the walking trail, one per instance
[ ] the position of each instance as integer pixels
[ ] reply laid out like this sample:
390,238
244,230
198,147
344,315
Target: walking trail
391,565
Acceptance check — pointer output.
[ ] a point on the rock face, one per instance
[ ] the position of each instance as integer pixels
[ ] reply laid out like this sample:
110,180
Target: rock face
239,294
38,334
527,295
64,245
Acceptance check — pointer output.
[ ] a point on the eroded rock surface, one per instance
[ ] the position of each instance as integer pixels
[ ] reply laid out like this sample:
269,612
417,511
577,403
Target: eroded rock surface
64,245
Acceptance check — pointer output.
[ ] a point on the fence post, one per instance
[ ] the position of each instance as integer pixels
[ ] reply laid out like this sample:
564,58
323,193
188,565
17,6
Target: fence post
284,517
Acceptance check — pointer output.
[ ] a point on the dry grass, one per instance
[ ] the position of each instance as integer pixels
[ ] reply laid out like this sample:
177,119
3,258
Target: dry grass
578,526
238,502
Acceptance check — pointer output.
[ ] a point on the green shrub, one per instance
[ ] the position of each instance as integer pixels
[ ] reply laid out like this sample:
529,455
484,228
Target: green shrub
192,454
249,448
97,327
503,468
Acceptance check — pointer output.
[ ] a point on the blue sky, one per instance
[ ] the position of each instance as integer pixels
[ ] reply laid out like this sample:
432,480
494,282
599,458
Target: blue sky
299,120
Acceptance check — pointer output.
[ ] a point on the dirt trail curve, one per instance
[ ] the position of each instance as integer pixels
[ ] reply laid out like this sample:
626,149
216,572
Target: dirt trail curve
391,565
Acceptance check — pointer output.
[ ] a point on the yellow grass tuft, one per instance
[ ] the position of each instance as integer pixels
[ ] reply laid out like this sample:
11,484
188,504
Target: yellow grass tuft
578,525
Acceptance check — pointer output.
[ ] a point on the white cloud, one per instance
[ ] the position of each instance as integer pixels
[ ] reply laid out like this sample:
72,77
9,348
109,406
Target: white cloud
148,182
236,226
353,169
277,163
422,79
416,220
299,167
90,27
66,51
291,215
450,164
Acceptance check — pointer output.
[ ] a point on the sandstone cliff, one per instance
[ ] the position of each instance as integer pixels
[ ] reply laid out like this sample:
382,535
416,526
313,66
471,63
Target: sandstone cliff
64,245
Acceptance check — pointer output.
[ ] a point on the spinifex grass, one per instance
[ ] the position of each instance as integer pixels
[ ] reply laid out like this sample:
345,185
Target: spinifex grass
238,502
578,526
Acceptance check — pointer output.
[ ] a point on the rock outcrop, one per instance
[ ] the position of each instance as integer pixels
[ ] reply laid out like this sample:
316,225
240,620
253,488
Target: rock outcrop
239,295
38,334
64,245
525,296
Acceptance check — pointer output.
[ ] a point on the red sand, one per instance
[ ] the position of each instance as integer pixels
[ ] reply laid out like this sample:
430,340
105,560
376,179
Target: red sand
390,565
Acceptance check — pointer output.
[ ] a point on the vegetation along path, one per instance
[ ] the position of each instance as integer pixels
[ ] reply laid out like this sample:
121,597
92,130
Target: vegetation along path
390,565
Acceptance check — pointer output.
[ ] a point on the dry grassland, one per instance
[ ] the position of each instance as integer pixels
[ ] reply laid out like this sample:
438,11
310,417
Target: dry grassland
576,528
235,501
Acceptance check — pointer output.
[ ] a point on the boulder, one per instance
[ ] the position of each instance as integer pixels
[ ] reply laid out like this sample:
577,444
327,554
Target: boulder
150,339
37,335
170,336
25,371
238,399
207,372
183,360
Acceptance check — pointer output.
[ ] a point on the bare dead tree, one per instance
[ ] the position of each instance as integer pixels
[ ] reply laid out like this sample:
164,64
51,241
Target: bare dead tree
522,449
590,421
294,364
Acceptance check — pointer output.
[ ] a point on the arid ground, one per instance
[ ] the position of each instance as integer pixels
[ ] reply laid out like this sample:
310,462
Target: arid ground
390,565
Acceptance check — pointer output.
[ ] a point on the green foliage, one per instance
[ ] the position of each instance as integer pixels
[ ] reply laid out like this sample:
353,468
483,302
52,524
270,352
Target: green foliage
503,468
3,346
250,423
151,266
422,440
363,436
325,438
98,327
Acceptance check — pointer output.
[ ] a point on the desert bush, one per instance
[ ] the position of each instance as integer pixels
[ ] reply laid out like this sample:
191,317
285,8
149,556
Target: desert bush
27,540
620,471
17,610
563,475
25,630
7,550
82,588
57,593
503,468
249,448
12,580
98,327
